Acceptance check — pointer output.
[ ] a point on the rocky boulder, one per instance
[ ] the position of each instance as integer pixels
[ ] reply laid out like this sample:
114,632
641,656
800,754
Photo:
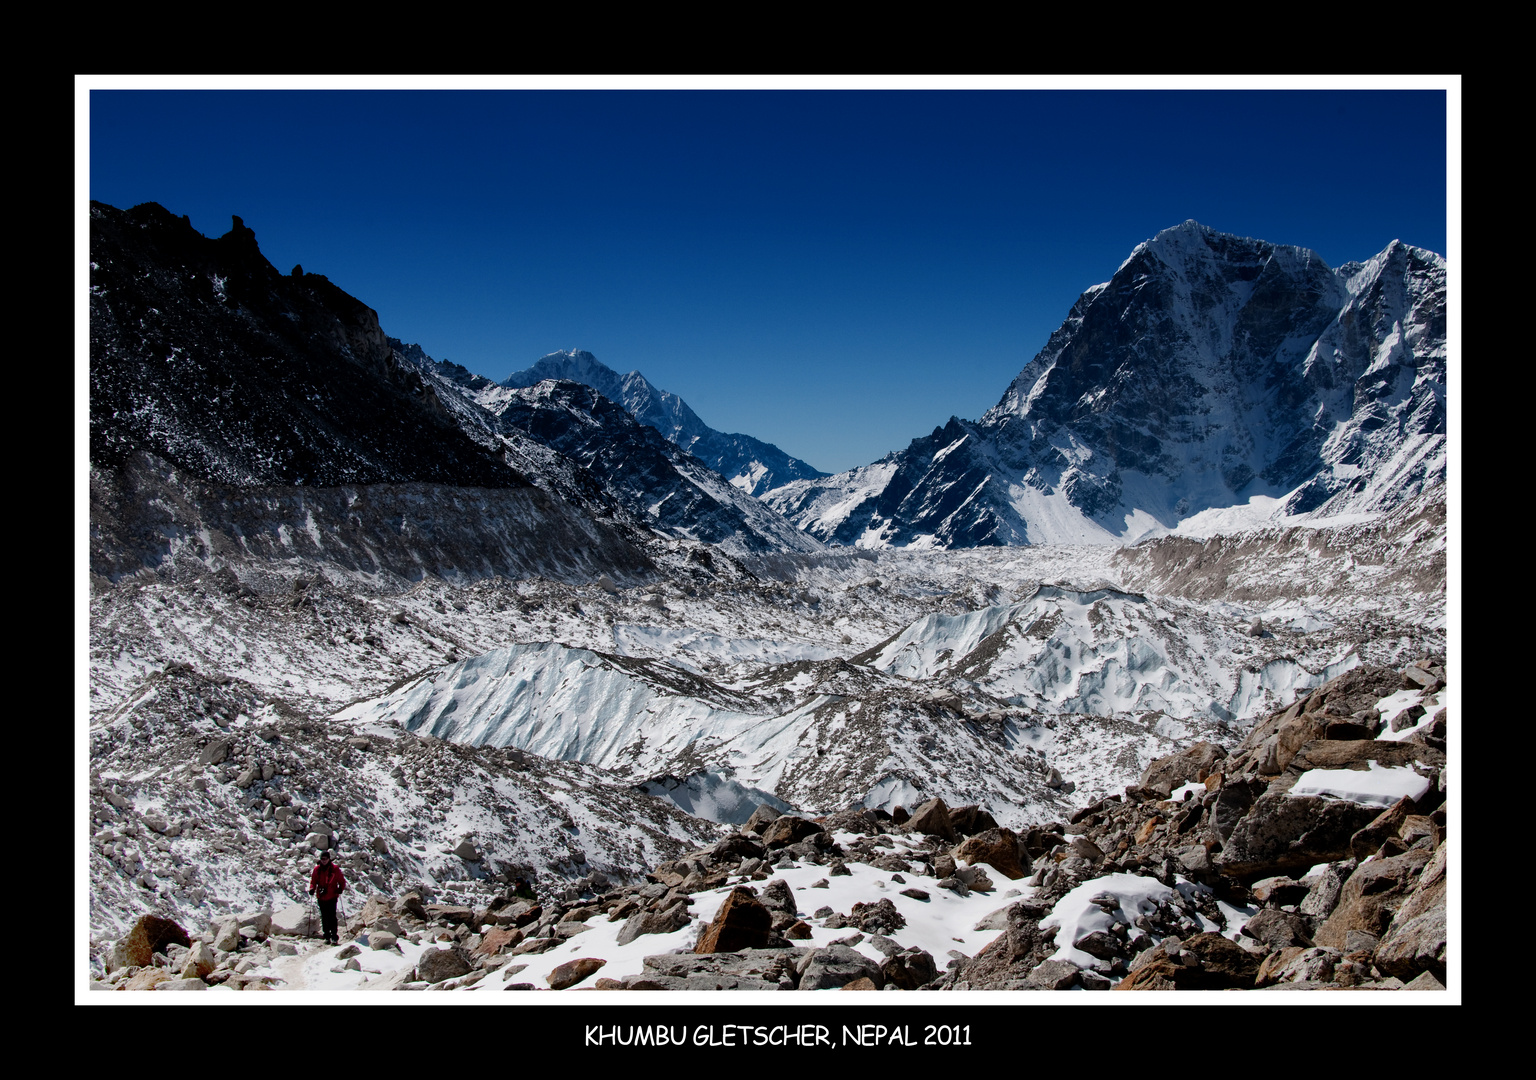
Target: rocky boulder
741,923
150,935
438,965
1005,963
1415,941
1371,897
1193,765
931,818
788,829
1280,833
1205,962
999,848
654,922
836,966
572,972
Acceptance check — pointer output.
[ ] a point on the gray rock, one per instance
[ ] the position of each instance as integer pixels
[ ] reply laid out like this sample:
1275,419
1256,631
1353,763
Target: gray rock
1054,975
1100,945
835,966
214,753
297,920
226,937
1323,897
1314,965
778,896
749,969
1279,929
1092,980
1281,833
653,922
195,983
437,965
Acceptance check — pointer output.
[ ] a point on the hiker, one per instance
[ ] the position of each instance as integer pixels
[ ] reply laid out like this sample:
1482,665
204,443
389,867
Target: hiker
326,882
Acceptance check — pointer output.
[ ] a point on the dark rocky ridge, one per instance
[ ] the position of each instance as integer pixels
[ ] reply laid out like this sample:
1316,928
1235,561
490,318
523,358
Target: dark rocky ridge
241,414
203,354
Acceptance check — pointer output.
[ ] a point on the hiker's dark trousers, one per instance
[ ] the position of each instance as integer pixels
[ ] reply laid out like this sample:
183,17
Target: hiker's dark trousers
328,920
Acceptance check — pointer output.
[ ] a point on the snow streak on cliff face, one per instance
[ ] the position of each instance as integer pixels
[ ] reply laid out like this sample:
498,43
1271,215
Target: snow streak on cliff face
1211,369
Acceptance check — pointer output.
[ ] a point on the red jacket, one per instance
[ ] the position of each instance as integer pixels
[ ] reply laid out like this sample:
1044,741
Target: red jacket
326,882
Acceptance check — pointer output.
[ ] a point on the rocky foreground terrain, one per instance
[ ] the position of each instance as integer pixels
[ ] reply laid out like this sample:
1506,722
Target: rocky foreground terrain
1313,855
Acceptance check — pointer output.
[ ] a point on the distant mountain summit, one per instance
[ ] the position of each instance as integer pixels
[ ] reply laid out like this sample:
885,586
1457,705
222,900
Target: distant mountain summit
1209,369
749,464
661,484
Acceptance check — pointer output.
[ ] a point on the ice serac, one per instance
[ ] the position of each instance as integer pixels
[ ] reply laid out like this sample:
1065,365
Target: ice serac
1208,370
749,464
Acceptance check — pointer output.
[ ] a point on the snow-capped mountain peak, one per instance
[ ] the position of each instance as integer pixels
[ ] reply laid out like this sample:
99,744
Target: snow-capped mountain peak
1209,370
749,464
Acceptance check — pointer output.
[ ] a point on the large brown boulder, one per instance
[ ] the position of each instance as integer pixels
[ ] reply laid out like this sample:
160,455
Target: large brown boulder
498,938
150,935
573,971
788,829
1372,896
761,818
1204,962
999,848
741,923
1415,942
932,818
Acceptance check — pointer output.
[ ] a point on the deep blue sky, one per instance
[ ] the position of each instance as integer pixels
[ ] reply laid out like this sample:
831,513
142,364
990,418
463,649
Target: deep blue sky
833,271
